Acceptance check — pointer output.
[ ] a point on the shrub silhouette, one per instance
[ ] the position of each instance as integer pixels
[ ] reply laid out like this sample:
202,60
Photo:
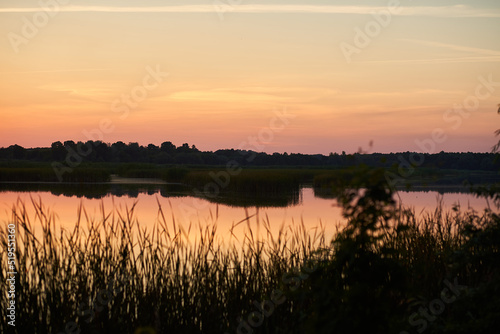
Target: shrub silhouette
361,284
386,266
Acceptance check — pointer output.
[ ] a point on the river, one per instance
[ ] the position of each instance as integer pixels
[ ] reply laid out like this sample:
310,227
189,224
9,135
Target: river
228,212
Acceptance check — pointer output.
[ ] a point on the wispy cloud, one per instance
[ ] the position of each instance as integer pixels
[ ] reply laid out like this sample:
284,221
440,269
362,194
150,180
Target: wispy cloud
435,11
468,54
494,59
480,51
60,71
253,94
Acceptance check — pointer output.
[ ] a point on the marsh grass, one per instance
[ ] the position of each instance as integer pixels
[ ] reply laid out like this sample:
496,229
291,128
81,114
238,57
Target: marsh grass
419,177
177,278
252,181
166,278
388,265
47,174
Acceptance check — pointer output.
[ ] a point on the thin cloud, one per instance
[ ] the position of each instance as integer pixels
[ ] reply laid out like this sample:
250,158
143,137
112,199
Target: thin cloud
61,71
485,52
435,11
479,55
494,59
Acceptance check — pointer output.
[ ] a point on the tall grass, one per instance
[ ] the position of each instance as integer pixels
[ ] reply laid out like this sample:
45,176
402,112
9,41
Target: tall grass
389,267
419,177
48,174
383,266
163,277
252,181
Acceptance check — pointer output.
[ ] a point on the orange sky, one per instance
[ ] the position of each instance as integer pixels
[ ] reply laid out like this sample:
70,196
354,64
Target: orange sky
229,69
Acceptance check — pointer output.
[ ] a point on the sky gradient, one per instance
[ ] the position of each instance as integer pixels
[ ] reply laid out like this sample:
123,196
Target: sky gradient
348,76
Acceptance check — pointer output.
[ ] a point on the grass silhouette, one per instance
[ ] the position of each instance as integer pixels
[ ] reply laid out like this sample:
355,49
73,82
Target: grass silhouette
109,275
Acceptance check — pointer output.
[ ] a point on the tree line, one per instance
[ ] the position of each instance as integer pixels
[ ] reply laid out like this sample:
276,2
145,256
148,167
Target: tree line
169,154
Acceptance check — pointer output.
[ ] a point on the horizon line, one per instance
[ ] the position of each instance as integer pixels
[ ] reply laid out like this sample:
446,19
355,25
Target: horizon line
237,149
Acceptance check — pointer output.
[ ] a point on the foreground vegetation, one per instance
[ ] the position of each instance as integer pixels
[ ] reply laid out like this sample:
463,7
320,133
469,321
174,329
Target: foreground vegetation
386,271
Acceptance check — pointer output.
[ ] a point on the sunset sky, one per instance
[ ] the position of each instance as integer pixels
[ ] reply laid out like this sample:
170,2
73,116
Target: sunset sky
347,76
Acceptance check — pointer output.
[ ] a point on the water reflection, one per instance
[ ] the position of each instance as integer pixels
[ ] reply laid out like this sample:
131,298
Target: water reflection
97,191
189,209
327,193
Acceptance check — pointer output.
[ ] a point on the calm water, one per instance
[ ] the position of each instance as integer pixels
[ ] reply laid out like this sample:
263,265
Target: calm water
192,212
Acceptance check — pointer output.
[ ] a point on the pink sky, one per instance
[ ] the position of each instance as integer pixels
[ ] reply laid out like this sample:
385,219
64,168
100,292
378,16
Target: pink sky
227,77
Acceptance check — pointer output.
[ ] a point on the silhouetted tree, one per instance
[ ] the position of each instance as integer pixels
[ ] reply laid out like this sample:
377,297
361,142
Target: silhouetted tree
98,151
152,147
184,148
18,152
102,151
70,143
496,148
168,147
58,151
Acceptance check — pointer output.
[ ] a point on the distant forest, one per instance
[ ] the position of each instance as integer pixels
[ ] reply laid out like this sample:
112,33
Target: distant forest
168,154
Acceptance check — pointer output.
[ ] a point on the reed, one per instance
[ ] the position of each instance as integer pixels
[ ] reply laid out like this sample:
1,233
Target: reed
251,181
164,278
109,275
48,174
